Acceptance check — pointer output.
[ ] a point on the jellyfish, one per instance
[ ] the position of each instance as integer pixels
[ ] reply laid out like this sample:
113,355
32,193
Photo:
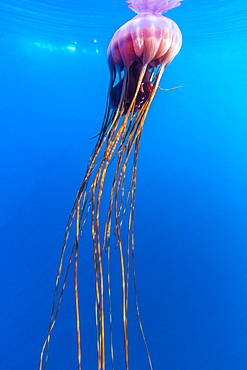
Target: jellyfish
138,54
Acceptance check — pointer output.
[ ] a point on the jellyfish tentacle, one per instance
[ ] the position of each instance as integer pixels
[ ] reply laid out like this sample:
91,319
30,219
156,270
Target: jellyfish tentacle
124,293
110,306
76,285
126,136
97,187
82,191
138,132
172,88
133,187
145,109
99,181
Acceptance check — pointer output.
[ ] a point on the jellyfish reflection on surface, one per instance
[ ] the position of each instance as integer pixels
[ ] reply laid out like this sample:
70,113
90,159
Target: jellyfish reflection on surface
137,55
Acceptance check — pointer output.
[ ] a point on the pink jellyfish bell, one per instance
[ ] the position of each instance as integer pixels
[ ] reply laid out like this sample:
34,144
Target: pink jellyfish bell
139,51
137,54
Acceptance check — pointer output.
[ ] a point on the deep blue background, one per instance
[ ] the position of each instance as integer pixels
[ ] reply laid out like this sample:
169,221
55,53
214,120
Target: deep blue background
191,205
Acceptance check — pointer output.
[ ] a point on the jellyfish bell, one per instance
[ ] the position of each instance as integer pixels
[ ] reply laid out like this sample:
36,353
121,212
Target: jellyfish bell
147,37
137,56
145,44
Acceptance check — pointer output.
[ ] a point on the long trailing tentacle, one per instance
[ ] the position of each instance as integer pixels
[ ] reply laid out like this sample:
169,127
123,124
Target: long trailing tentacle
133,139
124,151
82,199
120,136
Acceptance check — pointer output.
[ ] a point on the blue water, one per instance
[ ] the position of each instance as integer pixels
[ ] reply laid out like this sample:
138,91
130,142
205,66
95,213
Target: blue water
191,205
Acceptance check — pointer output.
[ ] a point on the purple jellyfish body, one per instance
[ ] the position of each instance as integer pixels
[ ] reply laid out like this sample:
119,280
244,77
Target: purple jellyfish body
137,55
143,45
